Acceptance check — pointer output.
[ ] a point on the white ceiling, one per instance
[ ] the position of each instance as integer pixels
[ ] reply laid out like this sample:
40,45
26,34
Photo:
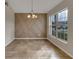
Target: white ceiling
41,6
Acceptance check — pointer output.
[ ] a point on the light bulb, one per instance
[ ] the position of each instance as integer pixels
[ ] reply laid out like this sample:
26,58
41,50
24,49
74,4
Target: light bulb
28,16
35,16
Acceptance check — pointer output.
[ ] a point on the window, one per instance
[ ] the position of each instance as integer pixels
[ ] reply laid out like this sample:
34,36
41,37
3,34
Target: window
62,24
59,24
53,19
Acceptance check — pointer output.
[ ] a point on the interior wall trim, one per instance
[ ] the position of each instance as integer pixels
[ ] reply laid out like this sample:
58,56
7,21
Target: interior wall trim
9,42
30,38
61,49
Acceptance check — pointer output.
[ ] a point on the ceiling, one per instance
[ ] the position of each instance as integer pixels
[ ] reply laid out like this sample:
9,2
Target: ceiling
41,6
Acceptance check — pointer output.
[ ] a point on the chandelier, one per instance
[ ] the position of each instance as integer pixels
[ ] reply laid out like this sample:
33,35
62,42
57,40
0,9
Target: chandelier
32,14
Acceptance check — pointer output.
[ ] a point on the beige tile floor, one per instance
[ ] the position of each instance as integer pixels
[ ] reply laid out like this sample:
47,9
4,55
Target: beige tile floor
33,49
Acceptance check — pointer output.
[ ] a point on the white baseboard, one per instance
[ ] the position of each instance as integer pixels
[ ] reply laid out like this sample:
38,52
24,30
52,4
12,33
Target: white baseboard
30,38
9,42
62,49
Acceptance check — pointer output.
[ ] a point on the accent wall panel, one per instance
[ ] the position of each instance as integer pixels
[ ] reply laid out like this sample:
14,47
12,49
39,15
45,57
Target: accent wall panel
30,28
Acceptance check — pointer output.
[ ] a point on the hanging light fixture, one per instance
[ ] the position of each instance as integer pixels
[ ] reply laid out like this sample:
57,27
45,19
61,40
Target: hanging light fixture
32,14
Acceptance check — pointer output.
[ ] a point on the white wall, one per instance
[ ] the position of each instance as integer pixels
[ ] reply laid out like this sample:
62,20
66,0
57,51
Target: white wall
9,25
66,47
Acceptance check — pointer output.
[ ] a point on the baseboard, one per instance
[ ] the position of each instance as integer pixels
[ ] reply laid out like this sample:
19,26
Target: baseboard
30,38
9,42
62,49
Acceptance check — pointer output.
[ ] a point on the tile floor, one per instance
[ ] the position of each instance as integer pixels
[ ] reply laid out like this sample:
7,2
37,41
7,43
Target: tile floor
33,49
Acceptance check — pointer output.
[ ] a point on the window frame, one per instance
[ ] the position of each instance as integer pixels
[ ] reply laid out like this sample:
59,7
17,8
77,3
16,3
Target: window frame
56,37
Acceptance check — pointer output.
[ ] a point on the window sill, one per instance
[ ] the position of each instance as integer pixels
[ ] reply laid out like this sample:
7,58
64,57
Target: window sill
63,41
